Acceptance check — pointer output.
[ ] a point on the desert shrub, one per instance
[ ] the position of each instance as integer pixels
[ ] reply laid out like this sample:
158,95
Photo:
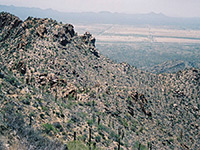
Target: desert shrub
103,128
98,138
48,128
77,145
142,147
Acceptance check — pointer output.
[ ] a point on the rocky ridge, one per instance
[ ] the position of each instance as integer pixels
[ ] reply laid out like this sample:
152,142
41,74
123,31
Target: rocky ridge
55,85
171,67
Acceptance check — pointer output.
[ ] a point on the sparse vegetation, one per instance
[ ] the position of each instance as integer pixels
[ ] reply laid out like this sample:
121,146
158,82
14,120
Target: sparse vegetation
64,86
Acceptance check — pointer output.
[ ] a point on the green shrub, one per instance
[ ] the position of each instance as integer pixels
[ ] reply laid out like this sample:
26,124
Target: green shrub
48,128
114,136
90,122
98,138
76,145
79,145
103,128
71,97
142,147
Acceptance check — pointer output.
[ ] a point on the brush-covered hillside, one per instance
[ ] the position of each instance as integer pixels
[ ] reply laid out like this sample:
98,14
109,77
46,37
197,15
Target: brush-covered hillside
57,92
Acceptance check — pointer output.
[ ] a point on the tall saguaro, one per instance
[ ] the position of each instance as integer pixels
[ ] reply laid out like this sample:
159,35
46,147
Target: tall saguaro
90,132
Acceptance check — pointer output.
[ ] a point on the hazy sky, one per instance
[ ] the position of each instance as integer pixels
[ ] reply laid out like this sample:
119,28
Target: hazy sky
183,8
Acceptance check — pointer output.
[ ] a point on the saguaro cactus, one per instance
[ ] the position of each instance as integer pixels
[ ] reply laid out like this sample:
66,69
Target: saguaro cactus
119,143
139,146
99,119
89,142
119,137
74,136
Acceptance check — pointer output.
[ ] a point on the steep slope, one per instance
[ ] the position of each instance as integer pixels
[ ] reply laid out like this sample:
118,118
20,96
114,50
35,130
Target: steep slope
55,85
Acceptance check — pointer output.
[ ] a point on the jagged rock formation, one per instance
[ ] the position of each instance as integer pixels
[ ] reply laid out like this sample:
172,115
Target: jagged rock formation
56,87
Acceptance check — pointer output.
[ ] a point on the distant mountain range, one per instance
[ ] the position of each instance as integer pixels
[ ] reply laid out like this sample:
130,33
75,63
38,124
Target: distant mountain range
104,17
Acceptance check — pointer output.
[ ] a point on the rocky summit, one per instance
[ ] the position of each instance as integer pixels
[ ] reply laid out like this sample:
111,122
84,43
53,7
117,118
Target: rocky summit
57,92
